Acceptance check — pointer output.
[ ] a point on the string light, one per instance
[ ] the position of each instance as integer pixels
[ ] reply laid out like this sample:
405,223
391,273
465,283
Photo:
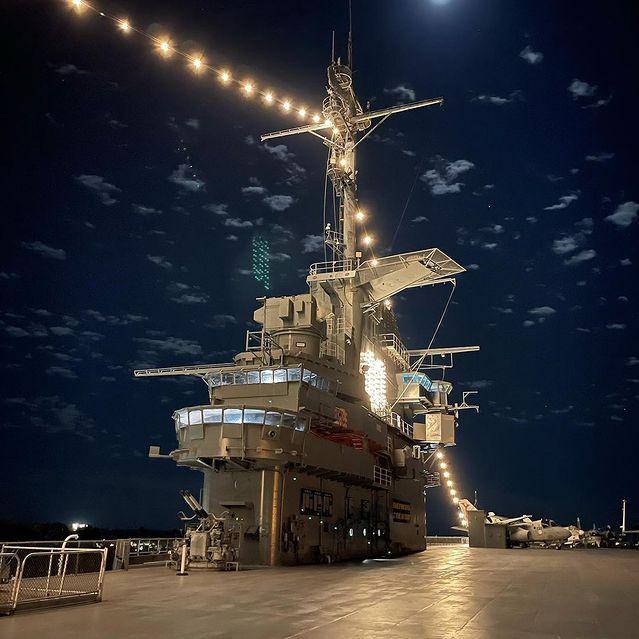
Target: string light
367,240
439,454
360,216
374,262
198,64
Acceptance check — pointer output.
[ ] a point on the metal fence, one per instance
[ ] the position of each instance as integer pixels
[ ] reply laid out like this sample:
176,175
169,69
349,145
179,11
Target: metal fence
37,575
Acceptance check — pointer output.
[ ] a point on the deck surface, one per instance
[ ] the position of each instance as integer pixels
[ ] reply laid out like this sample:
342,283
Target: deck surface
445,592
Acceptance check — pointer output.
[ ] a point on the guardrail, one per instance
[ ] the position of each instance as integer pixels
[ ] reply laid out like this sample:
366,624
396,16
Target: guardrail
32,576
446,540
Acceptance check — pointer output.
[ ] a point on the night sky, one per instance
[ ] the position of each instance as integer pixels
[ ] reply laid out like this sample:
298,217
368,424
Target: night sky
132,189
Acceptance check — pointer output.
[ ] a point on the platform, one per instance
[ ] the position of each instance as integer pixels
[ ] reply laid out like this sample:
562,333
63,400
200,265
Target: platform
445,592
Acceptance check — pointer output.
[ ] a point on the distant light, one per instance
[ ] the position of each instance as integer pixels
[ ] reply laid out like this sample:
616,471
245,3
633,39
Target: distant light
165,47
225,77
76,3
461,516
302,112
388,303
286,105
439,454
76,525
455,500
248,87
374,262
446,474
268,97
124,25
342,162
327,122
453,492
449,483
367,240
464,522
443,465
360,216
316,117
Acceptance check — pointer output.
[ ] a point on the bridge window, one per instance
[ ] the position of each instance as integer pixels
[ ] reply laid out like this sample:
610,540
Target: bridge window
195,417
232,415
266,377
279,375
273,419
212,415
240,378
294,374
182,418
253,377
253,416
301,424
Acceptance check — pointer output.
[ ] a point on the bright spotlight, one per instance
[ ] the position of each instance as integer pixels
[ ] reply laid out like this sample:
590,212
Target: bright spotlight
124,25
367,240
248,87
439,454
225,77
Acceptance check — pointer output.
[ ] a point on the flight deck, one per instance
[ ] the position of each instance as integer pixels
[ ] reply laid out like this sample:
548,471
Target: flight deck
447,592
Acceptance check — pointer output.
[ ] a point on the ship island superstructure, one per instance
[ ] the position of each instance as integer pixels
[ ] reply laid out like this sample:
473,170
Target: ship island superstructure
319,439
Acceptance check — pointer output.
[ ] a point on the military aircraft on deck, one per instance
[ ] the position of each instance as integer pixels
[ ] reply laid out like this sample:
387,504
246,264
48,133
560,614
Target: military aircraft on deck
523,530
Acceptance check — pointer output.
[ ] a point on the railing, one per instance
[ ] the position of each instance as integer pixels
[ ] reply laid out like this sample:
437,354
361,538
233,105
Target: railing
382,476
338,266
332,349
258,341
38,575
446,540
396,348
397,422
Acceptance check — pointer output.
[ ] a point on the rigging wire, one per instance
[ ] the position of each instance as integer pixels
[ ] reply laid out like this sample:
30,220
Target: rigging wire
408,199
419,362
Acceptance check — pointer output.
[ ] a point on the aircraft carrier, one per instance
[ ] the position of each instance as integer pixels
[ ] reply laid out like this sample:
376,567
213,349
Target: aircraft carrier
317,442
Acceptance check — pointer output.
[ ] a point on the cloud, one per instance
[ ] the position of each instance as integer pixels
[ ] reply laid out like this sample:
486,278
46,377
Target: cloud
531,219
312,243
280,152
528,323
186,294
232,238
61,371
175,345
530,56
493,228
600,157
489,246
498,100
100,187
564,201
278,202
479,384
219,208
191,183
71,69
45,250
542,311
632,361
221,321
160,261
254,189
194,123
580,89
145,210
567,244
624,215
616,327
237,223
15,331
61,331
419,218
582,256
626,261
279,257
602,102
441,179
402,92
472,267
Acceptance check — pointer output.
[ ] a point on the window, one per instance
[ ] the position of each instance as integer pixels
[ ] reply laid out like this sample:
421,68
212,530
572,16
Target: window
273,419
212,415
215,379
288,420
253,377
195,417
306,376
316,503
301,424
240,378
228,378
279,375
182,417
232,415
253,416
267,377
294,374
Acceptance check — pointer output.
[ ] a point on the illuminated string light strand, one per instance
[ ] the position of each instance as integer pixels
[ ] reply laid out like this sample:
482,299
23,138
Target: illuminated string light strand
448,482
199,65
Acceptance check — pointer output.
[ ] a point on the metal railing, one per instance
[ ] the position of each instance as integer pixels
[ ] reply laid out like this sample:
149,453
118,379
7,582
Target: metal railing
38,575
332,349
395,348
338,266
397,422
446,540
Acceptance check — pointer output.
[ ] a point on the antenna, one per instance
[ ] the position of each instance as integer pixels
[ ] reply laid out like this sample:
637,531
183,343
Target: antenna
350,35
